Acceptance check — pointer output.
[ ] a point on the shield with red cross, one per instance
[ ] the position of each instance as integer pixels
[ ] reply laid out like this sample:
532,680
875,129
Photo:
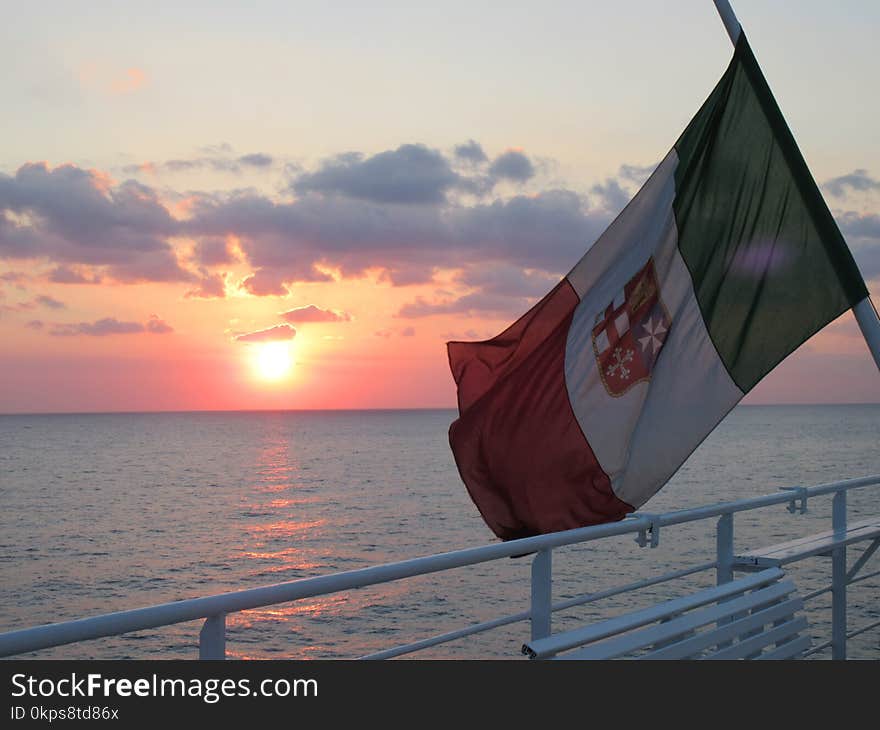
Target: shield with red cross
630,332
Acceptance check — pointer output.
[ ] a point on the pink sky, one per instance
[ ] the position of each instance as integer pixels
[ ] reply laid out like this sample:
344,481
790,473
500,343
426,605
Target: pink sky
167,207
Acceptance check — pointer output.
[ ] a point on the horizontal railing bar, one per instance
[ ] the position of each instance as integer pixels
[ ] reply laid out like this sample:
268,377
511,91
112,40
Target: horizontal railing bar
57,634
524,615
112,624
750,503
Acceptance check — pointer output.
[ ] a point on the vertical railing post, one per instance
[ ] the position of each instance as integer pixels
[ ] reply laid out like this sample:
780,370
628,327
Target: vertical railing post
838,578
724,549
212,638
542,593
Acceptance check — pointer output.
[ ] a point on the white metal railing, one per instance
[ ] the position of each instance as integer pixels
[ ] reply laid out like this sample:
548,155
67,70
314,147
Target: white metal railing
647,528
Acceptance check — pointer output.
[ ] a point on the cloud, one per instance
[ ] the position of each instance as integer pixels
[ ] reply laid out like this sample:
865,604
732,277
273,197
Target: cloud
858,180
471,152
210,286
287,242
311,313
613,197
39,301
219,160
412,173
637,174
355,215
256,159
13,277
469,305
277,333
110,326
35,324
512,165
408,332
157,326
508,280
67,275
213,251
862,232
49,302
265,283
74,216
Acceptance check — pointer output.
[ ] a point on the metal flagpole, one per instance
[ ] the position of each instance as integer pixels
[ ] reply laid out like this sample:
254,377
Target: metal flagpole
864,311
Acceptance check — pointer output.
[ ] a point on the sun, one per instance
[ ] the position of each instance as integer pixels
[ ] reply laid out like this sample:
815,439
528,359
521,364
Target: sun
273,360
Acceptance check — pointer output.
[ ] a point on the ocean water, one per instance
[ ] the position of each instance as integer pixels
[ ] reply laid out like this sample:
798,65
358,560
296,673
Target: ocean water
108,512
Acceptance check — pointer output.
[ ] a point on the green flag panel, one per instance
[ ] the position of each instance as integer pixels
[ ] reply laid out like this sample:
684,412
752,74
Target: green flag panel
769,265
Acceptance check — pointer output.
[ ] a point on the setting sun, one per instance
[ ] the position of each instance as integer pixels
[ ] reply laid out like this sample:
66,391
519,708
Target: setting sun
273,360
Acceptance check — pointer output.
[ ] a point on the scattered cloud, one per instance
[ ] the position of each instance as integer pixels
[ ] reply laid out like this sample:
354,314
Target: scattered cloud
469,305
110,326
265,283
295,241
312,313
612,196
471,152
512,165
857,181
35,324
862,232
42,300
637,174
412,173
219,160
67,275
157,326
49,302
210,286
256,159
277,333
408,332
74,216
214,251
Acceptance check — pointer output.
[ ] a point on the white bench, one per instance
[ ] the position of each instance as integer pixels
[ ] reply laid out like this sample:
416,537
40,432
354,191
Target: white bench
822,543
754,617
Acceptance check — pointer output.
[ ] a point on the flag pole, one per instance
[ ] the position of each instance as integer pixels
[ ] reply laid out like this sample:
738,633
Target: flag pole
864,311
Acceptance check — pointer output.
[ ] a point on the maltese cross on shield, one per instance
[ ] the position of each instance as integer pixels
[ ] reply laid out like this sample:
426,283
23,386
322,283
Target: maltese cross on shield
630,332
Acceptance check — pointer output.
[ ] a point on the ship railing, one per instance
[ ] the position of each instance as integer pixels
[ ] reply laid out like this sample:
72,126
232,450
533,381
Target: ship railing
647,528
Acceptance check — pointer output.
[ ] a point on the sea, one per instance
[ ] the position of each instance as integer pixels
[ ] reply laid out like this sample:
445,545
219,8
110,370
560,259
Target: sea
106,512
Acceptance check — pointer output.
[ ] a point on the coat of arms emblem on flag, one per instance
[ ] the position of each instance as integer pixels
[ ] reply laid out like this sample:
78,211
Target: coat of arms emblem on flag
630,332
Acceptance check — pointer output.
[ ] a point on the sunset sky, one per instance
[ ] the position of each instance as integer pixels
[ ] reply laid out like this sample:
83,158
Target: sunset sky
295,205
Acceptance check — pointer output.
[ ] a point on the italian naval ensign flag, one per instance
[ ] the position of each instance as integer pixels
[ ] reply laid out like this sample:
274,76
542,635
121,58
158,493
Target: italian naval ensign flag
725,262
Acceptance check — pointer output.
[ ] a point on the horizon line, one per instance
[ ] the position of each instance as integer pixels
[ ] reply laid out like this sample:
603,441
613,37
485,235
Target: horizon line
353,410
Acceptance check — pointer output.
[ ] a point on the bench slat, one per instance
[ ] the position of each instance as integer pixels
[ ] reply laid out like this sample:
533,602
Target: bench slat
678,627
727,632
749,646
803,547
594,632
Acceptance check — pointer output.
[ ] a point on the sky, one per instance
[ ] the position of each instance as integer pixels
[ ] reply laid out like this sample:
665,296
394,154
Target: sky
295,205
